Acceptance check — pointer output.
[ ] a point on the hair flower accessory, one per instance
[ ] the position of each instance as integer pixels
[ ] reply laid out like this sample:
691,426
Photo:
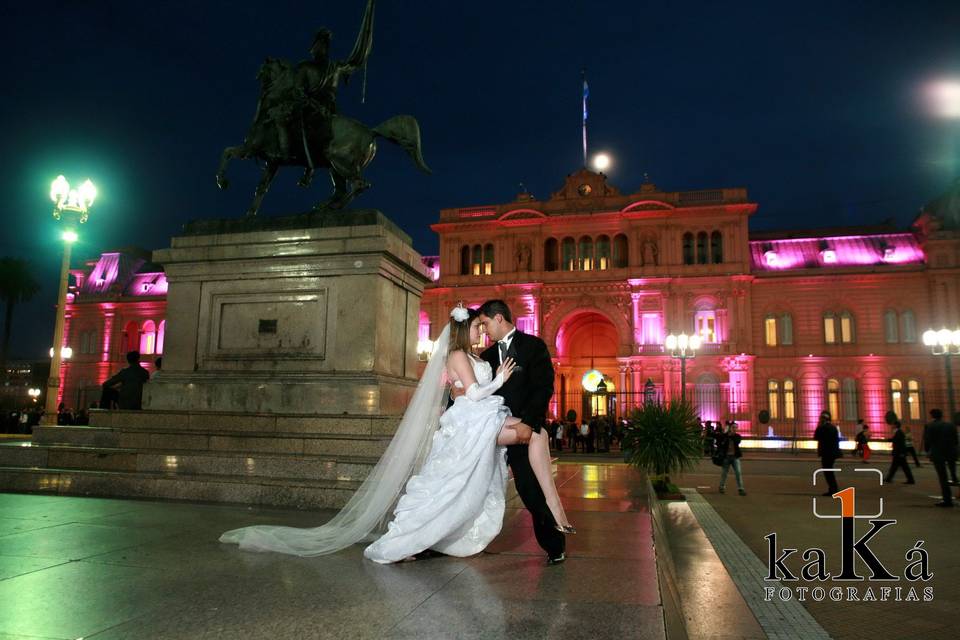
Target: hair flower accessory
460,313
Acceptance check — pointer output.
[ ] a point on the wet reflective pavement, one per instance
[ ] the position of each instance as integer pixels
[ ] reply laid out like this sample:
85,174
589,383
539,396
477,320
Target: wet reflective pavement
110,569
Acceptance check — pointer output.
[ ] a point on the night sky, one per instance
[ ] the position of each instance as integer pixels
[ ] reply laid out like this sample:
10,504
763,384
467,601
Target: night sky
818,110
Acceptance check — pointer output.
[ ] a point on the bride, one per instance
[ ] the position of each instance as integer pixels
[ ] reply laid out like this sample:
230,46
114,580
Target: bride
455,477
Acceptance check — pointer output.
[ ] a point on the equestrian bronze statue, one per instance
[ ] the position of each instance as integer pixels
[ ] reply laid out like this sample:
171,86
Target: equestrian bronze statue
296,123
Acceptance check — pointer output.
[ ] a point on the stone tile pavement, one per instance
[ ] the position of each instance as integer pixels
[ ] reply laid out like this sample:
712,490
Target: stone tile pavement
113,569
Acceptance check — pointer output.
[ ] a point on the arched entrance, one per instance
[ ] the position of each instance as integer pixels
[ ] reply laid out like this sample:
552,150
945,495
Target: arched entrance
587,340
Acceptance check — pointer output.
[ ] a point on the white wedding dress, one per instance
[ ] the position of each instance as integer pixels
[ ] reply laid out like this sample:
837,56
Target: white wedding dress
455,503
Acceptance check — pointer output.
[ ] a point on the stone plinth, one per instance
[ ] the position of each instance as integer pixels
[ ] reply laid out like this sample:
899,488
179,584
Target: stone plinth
309,314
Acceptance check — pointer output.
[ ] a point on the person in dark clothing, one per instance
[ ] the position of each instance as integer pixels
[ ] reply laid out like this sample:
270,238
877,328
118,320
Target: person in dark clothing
899,443
827,436
940,441
130,382
728,446
908,442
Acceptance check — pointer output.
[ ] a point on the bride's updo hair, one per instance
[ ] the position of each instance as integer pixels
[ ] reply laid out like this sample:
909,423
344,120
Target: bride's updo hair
460,331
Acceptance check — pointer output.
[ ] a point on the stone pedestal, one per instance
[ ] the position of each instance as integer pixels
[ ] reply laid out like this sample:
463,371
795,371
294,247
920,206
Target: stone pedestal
308,314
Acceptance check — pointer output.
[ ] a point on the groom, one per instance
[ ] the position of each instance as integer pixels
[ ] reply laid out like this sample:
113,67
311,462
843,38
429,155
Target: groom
527,393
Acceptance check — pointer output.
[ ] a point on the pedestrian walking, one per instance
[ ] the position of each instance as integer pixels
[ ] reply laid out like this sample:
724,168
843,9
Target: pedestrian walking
728,448
940,441
898,442
827,436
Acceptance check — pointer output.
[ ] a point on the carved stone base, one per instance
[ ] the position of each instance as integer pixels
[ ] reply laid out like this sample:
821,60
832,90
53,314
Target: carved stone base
306,314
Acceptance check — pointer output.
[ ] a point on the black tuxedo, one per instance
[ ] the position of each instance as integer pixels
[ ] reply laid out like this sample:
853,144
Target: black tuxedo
527,393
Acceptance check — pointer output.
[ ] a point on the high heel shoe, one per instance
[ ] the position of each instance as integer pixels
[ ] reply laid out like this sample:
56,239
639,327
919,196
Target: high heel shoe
565,529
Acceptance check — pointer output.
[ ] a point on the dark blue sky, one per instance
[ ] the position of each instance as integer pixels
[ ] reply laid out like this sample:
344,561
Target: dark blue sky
813,107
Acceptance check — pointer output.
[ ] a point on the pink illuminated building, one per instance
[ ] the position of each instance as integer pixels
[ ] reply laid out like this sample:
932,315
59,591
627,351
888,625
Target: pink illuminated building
791,322
115,304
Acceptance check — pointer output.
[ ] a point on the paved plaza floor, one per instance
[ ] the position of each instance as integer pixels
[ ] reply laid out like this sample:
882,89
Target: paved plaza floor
780,499
110,569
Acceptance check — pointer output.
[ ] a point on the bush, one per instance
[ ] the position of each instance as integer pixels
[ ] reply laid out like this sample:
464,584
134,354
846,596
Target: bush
664,438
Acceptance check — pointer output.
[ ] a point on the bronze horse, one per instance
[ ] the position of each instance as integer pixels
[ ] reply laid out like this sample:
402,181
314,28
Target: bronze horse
293,132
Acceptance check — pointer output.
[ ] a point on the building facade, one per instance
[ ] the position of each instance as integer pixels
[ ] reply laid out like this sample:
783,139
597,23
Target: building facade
115,304
791,323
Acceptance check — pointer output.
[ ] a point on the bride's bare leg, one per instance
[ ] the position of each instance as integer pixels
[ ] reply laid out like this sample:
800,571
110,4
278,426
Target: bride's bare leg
540,462
539,455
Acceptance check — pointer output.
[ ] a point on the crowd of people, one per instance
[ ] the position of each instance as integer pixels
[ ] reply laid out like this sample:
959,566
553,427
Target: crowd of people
597,435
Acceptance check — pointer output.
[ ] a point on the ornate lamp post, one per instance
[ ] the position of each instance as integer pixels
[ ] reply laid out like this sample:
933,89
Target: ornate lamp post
71,205
945,343
682,347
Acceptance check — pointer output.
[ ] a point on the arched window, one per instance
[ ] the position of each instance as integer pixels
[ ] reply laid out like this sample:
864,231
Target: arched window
773,399
476,264
488,260
716,247
702,248
829,328
789,400
770,331
585,253
620,251
909,326
890,331
688,248
913,399
847,329
786,329
464,260
148,338
569,251
131,337
896,397
161,330
833,398
603,253
850,404
551,255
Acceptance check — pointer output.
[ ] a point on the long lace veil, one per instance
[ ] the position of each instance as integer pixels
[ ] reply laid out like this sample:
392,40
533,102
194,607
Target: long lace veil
371,506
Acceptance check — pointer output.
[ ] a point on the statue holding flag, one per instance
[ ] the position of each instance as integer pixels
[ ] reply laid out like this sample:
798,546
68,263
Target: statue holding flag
296,123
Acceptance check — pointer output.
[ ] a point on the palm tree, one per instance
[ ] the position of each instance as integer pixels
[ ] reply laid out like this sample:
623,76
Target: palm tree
17,285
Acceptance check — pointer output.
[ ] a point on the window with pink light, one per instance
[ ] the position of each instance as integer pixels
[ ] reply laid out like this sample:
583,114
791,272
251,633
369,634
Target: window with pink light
148,337
650,328
161,330
527,324
705,325
423,330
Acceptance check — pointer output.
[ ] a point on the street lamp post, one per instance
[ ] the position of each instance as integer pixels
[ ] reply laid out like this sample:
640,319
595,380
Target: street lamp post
72,205
945,343
682,347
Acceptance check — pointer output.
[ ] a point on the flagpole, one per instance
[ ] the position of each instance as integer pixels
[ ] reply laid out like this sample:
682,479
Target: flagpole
586,92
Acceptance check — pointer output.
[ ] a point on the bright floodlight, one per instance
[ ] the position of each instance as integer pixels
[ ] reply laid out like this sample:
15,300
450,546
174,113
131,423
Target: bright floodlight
682,341
70,236
944,336
88,192
694,342
601,161
944,98
671,342
930,338
59,189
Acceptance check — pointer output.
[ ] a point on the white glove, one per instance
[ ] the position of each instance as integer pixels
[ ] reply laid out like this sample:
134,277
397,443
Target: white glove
478,392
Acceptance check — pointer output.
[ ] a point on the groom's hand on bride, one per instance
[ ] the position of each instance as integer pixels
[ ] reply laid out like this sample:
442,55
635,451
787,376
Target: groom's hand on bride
507,368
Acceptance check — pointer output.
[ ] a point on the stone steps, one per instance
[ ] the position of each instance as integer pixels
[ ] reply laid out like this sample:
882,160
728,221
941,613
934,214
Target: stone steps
185,462
285,492
226,441
280,460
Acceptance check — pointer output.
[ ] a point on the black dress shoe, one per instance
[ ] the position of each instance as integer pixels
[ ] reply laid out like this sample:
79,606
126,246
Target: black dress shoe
557,560
828,493
944,504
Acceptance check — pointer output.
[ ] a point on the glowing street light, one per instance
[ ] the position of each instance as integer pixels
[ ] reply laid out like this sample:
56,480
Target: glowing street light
683,348
34,393
601,162
72,205
944,98
945,343
424,349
